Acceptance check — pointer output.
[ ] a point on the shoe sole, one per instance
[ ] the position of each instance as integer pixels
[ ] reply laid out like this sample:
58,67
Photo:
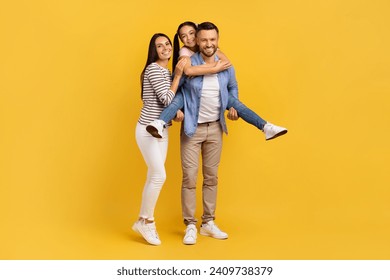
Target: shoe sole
210,235
277,135
189,242
135,228
153,131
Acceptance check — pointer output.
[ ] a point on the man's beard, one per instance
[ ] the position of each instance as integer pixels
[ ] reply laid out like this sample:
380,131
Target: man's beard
209,54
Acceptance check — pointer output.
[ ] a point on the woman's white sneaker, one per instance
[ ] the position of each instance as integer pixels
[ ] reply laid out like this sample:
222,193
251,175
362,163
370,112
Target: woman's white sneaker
148,231
211,229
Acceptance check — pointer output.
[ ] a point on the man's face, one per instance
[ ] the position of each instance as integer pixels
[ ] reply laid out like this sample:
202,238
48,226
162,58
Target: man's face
207,42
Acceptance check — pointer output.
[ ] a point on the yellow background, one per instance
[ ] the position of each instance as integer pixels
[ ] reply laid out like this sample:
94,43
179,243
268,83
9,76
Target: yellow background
71,174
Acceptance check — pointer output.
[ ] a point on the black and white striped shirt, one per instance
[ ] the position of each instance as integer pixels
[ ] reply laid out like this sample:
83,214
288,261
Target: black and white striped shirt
156,92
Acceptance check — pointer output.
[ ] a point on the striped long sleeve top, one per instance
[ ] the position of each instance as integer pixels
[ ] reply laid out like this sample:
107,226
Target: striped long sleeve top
156,92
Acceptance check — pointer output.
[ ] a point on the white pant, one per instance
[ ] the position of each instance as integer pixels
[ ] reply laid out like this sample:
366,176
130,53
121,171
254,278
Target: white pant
154,151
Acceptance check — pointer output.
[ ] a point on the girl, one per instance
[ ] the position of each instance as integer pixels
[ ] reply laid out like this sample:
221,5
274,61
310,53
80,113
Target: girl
186,32
157,92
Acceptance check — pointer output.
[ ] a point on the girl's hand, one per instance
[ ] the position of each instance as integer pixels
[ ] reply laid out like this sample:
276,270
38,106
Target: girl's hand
222,65
180,66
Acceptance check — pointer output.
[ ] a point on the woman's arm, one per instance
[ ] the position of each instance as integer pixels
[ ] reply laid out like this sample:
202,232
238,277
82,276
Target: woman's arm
164,90
178,73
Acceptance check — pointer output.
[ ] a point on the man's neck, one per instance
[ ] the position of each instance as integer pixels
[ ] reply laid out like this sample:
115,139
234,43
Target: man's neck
207,59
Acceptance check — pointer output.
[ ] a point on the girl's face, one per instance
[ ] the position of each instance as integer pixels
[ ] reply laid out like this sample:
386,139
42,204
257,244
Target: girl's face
163,48
187,35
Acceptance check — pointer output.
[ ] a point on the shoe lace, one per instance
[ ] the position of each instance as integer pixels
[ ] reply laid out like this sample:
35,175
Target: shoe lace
151,229
214,228
190,233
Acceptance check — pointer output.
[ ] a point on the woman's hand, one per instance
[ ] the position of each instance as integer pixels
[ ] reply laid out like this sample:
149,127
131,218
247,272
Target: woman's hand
179,116
180,67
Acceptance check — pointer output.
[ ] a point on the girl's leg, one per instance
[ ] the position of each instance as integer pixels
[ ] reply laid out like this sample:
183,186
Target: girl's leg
245,113
170,111
156,127
270,130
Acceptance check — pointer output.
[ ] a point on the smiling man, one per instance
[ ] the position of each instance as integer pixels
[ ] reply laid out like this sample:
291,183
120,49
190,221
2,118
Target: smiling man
205,100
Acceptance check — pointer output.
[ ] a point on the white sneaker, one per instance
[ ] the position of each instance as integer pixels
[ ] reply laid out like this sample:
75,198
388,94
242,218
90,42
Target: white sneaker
148,231
211,229
191,234
156,128
272,131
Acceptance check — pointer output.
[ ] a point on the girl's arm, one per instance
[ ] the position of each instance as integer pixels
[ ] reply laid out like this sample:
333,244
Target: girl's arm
204,69
222,56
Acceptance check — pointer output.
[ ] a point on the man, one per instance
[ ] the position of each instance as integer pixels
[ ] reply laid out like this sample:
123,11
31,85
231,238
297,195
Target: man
205,100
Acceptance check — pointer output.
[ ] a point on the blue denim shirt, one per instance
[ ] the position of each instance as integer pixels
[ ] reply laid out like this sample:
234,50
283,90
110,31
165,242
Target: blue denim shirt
191,89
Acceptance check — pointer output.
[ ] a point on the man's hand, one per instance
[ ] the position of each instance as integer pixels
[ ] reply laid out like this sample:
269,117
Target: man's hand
232,115
179,116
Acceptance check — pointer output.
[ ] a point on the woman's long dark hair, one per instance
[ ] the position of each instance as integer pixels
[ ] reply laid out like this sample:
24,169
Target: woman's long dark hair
176,42
152,56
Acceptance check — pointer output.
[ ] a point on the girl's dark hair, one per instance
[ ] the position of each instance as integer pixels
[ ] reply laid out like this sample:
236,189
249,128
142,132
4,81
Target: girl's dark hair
152,56
176,42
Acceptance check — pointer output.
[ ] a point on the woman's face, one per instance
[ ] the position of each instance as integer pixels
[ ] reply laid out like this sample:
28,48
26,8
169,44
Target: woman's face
187,35
163,47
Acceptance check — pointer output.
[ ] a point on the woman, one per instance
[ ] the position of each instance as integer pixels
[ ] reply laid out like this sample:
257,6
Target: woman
157,92
186,32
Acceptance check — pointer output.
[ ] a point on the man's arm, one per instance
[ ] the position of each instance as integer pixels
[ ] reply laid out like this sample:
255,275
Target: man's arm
232,83
232,89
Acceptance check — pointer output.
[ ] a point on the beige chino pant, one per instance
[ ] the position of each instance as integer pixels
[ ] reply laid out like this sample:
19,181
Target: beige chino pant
207,140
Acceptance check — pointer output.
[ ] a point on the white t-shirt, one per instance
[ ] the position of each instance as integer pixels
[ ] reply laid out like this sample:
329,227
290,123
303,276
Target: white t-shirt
210,102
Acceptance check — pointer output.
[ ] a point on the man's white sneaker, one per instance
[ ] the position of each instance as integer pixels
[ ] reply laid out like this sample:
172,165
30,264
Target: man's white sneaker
148,231
272,131
190,235
156,128
211,229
